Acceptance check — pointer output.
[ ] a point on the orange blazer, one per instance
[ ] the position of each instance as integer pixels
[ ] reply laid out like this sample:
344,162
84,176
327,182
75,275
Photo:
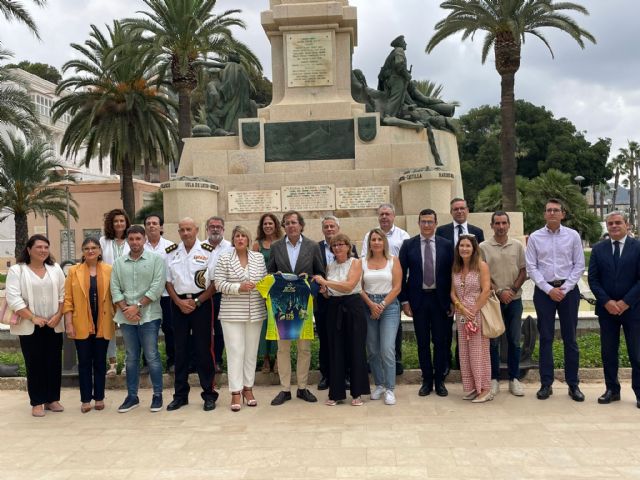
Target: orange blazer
76,300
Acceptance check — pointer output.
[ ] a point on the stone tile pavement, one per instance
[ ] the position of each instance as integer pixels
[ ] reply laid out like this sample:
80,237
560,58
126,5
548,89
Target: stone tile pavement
430,437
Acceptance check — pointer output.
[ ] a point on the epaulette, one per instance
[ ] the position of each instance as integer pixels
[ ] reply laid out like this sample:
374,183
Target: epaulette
207,246
171,248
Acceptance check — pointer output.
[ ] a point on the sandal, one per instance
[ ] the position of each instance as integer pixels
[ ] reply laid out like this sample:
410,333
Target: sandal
247,396
235,401
357,402
113,370
330,403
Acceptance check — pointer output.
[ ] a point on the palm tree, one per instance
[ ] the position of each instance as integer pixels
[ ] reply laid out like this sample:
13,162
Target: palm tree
619,168
119,108
183,32
16,108
11,9
631,158
27,173
506,22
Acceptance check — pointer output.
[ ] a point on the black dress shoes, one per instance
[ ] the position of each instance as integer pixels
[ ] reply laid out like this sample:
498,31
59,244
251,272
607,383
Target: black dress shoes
281,397
306,395
575,393
209,404
608,397
638,403
441,390
177,403
425,390
545,392
323,384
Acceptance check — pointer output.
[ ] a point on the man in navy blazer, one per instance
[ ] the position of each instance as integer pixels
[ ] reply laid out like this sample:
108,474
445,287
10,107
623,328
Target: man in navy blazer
614,278
452,231
426,261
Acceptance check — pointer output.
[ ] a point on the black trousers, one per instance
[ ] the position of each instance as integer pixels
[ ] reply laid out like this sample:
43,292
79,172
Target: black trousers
347,337
198,324
42,351
431,324
568,314
218,336
167,330
609,347
92,367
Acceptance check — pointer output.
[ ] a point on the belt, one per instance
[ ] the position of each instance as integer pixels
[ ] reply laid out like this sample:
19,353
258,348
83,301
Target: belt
190,295
429,290
556,283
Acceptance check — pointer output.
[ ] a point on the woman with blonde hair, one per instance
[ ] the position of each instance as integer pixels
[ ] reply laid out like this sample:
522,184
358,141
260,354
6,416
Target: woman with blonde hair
381,284
470,289
88,312
242,312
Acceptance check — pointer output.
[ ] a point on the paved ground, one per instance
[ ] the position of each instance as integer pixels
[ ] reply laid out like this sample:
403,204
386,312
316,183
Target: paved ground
430,437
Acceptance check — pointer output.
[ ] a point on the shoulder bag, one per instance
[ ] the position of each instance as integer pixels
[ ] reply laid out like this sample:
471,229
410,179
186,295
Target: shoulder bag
492,323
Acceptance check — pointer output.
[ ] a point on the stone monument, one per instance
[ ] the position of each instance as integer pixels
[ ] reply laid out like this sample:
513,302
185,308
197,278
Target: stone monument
314,149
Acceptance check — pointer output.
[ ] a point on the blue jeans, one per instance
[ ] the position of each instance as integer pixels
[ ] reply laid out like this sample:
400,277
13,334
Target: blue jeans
381,342
512,316
146,336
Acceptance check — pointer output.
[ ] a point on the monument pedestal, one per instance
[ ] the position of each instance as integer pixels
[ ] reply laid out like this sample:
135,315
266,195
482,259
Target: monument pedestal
423,186
184,197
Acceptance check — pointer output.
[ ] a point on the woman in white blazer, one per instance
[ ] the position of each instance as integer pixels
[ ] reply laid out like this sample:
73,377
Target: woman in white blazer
242,311
35,291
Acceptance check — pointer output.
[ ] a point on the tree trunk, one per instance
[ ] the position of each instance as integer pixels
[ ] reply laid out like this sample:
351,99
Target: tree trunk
615,189
184,118
147,170
22,232
508,142
632,199
128,197
602,190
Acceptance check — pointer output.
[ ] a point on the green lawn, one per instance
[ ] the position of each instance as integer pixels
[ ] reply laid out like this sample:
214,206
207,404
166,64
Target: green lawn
589,345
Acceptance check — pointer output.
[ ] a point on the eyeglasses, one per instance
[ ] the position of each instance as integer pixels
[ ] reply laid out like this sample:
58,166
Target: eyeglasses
553,210
215,227
340,244
427,222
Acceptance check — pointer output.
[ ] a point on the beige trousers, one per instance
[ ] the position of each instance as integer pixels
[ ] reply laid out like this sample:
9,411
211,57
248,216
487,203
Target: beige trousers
302,367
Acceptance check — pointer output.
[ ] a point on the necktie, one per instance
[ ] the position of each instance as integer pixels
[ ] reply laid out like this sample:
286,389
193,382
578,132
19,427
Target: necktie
460,230
616,252
427,269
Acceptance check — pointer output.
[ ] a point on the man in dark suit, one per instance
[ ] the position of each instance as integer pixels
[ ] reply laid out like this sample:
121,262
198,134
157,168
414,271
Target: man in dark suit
426,261
330,227
294,253
452,231
614,278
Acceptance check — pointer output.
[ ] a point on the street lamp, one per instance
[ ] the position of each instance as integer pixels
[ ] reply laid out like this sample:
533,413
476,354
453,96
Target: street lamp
579,179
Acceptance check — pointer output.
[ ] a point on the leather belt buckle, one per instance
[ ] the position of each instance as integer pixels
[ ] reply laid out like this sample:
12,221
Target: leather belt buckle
556,283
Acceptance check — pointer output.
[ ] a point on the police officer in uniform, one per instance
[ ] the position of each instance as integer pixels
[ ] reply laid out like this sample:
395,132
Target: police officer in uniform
190,291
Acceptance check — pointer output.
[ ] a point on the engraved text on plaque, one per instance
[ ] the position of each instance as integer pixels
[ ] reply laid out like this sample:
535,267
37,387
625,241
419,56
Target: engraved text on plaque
355,198
253,201
309,59
308,197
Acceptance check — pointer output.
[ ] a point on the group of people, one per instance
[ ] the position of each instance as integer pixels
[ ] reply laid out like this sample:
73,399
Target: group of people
209,295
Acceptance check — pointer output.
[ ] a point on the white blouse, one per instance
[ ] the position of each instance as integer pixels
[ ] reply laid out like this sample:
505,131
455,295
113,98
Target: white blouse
339,272
378,281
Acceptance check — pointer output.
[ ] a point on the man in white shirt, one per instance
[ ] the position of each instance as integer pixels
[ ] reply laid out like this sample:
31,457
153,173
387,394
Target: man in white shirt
157,244
215,231
395,237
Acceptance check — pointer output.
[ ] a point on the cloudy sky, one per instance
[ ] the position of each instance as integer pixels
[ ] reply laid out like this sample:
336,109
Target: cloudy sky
596,88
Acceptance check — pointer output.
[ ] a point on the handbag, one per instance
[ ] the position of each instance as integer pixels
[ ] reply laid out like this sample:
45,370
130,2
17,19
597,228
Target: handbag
7,316
492,323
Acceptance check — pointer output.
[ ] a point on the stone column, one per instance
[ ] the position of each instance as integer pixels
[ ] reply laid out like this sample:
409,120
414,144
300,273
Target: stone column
188,197
425,188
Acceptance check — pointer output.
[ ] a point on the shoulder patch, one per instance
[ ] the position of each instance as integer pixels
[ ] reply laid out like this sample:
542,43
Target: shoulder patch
171,248
206,246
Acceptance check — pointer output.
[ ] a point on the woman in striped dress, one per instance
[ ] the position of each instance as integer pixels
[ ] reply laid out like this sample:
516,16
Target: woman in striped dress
470,288
242,312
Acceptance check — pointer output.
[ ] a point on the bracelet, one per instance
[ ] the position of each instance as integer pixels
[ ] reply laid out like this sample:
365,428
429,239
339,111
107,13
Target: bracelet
383,304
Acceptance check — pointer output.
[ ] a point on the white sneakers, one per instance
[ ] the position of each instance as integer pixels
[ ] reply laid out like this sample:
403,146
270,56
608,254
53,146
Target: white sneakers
495,387
377,392
516,388
389,396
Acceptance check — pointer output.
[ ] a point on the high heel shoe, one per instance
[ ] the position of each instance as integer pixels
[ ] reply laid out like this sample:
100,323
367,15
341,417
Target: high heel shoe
247,396
235,401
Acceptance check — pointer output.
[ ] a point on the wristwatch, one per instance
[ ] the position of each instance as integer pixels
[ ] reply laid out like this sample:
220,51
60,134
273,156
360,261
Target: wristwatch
197,301
139,305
